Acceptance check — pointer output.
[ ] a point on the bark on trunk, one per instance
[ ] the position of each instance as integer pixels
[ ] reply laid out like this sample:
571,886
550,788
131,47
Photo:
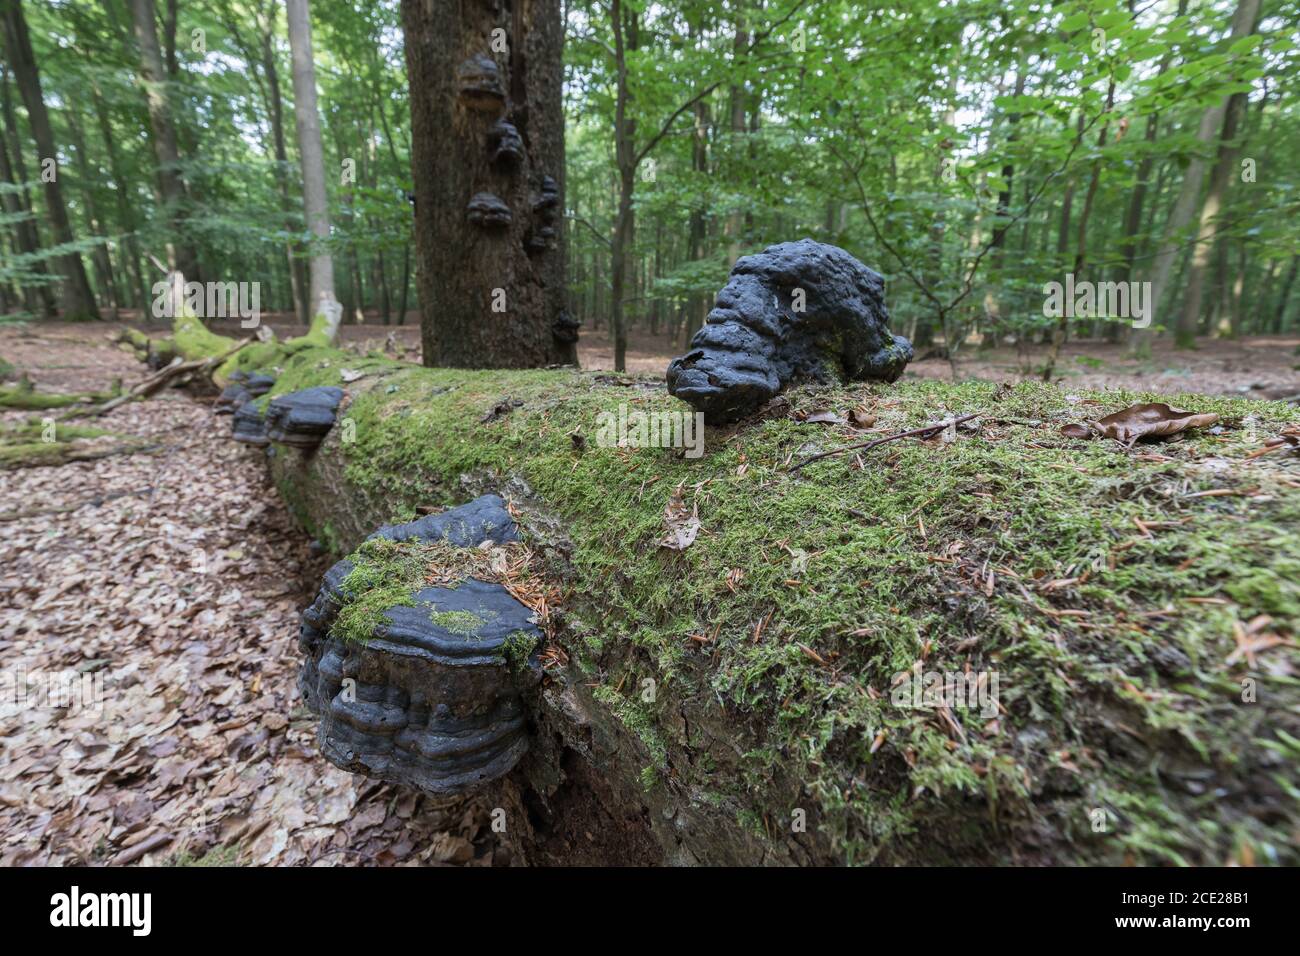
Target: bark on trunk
487,158
307,115
78,301
181,256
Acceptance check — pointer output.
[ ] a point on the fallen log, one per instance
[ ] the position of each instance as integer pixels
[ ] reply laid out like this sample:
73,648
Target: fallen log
954,652
53,454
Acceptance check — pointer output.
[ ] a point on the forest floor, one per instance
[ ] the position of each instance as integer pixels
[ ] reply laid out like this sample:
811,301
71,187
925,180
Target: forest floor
159,593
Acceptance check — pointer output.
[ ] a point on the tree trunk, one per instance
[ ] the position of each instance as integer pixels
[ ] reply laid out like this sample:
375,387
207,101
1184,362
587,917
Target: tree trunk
181,256
1190,193
38,298
139,297
77,299
99,257
307,115
298,281
1243,24
487,161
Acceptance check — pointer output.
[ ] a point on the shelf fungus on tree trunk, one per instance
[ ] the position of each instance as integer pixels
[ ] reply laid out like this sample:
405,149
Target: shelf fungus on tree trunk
415,684
545,206
797,311
479,82
506,144
489,212
303,418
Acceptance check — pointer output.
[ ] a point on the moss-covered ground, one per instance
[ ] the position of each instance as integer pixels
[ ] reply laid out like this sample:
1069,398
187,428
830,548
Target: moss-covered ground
1136,608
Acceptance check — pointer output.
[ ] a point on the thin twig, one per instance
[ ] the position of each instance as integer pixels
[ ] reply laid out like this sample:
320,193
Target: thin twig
863,446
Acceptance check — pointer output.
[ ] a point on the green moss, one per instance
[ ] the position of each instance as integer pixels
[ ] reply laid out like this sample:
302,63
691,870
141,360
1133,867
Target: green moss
1011,550
519,647
639,720
36,429
385,575
222,856
23,395
463,623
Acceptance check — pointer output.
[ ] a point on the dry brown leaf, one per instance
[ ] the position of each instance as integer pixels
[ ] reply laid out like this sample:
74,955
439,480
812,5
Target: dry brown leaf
824,416
683,523
861,418
1150,419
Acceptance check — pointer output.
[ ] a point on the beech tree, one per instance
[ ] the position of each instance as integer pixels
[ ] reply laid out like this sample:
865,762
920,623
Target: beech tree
307,116
77,299
487,161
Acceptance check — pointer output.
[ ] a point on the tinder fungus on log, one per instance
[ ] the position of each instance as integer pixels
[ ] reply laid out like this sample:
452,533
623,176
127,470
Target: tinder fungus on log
243,388
303,418
797,311
431,697
249,425
258,383
483,519
232,397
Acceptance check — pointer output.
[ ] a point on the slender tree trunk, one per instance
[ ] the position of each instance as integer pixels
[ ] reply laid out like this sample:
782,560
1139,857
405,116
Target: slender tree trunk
99,257
181,256
77,299
1284,297
1190,193
307,115
139,297
39,298
1243,24
298,281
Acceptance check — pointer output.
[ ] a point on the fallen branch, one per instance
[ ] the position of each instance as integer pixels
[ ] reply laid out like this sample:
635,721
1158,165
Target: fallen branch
924,432
51,454
160,378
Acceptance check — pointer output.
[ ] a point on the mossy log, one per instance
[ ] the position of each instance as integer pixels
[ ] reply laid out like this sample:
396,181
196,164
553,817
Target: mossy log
24,396
1124,620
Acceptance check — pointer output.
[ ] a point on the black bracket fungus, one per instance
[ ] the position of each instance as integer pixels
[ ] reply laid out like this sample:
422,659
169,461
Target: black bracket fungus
431,697
546,205
506,144
258,383
483,519
487,211
249,425
565,327
479,81
242,388
303,418
797,311
232,397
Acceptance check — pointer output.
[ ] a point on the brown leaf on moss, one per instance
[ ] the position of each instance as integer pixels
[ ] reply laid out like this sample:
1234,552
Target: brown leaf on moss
1153,418
1147,420
861,418
824,416
683,523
